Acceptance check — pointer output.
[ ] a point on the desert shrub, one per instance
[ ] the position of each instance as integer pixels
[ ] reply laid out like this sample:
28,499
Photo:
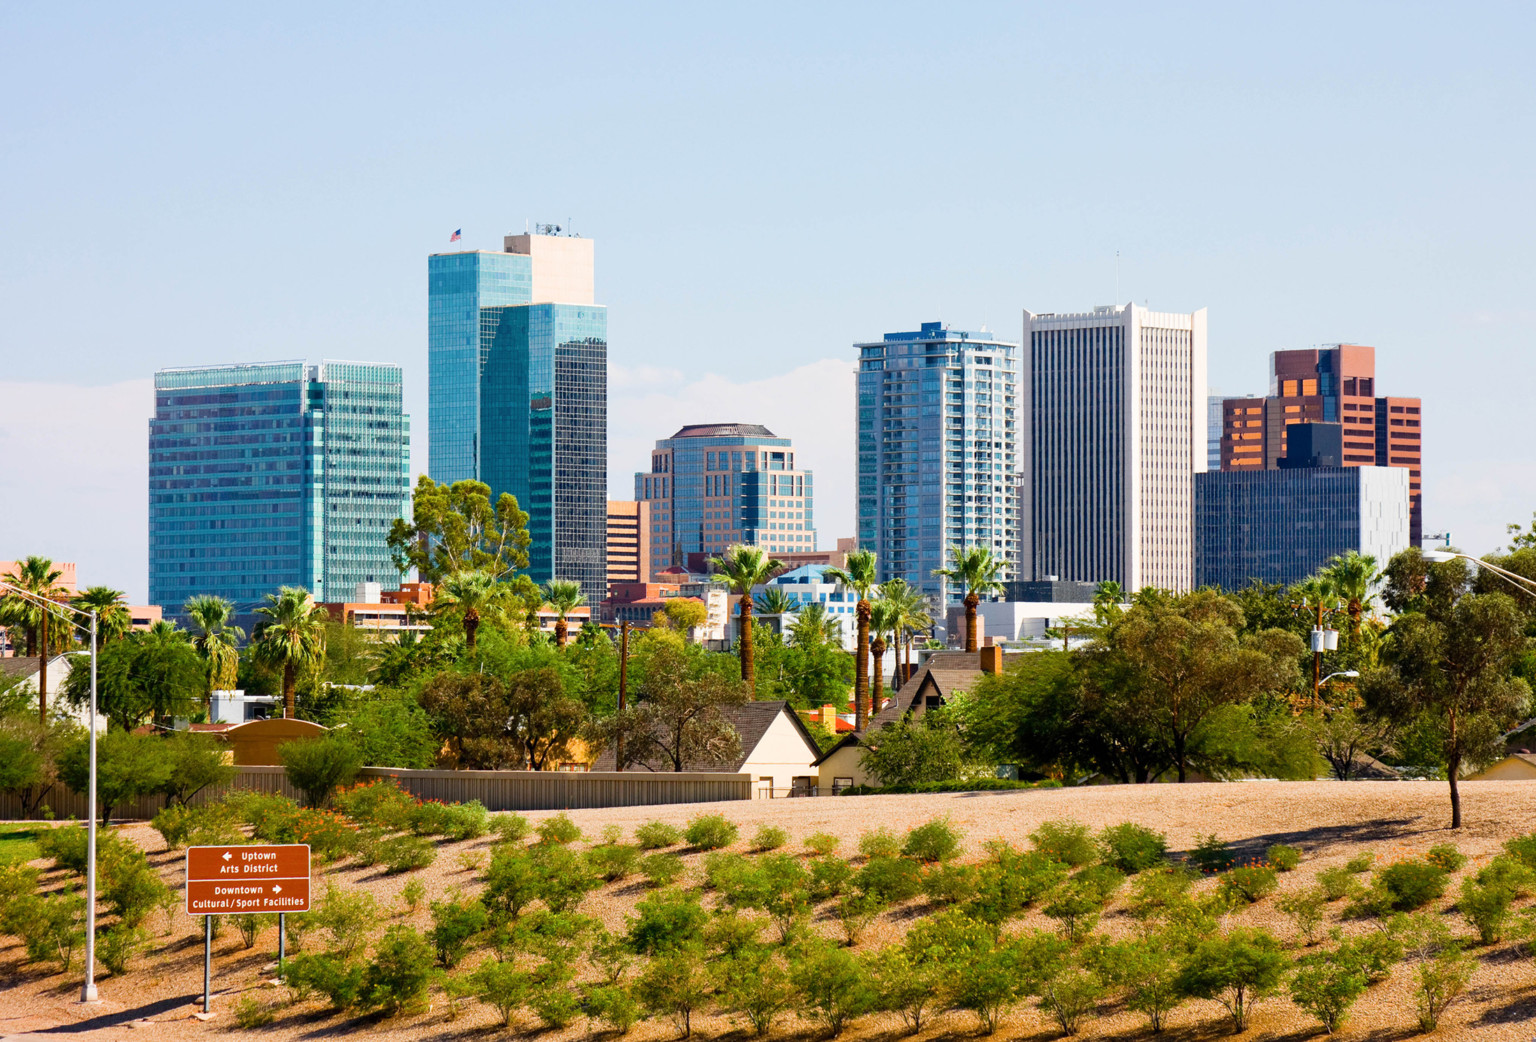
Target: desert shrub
1069,842
1211,855
317,766
1070,996
499,984
412,895
668,920
250,925
710,832
661,869
769,837
406,853
1249,883
1438,982
754,984
116,947
252,1012
1237,970
1306,910
1132,848
612,1005
674,985
1402,887
1337,883
822,843
401,971
834,985
950,884
455,924
559,830
336,977
829,875
932,841
880,842
1326,988
1446,856
1283,856
511,828
1360,863
891,879
654,835
349,916
1486,907
614,861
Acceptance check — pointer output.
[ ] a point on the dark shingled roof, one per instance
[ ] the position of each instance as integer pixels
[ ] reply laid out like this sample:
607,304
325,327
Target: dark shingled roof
751,720
725,430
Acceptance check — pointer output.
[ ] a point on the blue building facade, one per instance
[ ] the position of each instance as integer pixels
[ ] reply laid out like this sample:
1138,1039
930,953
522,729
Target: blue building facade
276,474
937,450
518,399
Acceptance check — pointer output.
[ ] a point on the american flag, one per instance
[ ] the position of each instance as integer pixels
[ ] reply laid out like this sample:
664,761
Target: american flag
455,236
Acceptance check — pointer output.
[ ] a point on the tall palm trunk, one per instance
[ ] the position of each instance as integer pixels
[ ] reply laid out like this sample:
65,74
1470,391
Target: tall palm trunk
971,600
861,669
877,688
748,671
288,685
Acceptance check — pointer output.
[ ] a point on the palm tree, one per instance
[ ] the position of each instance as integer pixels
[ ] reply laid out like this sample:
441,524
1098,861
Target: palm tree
977,571
563,595
216,640
291,635
1353,577
775,600
475,593
111,608
859,574
38,577
884,616
912,617
743,568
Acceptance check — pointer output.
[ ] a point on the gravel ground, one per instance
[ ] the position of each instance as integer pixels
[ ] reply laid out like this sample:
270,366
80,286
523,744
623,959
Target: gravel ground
1330,822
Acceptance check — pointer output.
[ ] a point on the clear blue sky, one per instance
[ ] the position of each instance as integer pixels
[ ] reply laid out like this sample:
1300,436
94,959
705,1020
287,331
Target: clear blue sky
766,184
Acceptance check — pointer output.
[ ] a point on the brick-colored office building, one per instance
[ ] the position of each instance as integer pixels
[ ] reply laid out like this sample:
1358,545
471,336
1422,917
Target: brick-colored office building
1333,385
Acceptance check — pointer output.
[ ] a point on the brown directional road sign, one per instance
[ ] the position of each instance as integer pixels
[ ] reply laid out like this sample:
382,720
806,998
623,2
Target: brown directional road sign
248,878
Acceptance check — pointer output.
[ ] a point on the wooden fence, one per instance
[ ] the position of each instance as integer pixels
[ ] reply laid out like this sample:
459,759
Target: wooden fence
497,790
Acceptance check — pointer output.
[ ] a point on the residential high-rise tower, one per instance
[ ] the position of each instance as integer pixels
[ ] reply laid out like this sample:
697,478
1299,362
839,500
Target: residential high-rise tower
937,441
274,474
1114,430
518,393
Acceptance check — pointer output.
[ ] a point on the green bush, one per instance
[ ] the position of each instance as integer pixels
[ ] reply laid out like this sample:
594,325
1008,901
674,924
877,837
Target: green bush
1069,842
891,879
1237,970
880,842
1326,988
1132,848
710,832
1284,857
1337,883
456,922
653,835
614,861
1446,856
661,869
318,766
769,837
822,843
511,828
829,875
1211,855
1250,883
559,829
401,971
932,841
406,854
336,977
950,884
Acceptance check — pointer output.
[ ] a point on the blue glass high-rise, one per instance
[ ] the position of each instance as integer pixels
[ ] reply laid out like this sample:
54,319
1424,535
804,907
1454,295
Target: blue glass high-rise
275,474
519,393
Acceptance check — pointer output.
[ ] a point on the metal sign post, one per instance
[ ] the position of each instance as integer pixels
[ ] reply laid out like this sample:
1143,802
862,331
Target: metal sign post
248,878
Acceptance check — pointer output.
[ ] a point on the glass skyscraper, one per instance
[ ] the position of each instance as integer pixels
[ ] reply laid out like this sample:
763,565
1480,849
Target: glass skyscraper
937,441
518,395
276,474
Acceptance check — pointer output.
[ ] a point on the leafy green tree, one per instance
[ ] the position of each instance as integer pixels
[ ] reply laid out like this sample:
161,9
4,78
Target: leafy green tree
111,608
975,570
454,528
216,639
291,636
128,766
744,567
859,574
471,594
155,675
41,626
564,596
911,752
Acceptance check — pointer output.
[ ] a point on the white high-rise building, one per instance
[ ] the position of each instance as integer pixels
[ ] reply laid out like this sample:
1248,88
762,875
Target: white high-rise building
1114,429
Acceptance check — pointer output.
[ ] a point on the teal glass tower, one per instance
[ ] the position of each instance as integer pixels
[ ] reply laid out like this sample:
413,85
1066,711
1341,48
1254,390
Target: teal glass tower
274,474
518,396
